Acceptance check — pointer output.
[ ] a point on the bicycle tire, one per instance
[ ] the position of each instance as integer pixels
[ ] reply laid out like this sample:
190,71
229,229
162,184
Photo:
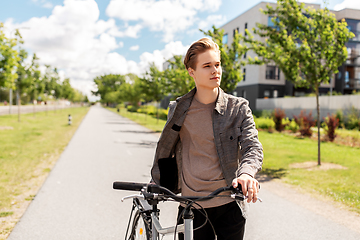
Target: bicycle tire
140,229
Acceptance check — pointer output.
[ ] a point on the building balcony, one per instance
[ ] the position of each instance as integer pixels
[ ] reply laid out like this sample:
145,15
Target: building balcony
352,83
353,57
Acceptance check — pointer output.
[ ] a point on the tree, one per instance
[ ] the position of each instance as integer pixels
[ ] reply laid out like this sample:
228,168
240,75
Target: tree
67,91
8,58
131,90
154,85
230,58
178,79
308,45
107,84
23,80
36,84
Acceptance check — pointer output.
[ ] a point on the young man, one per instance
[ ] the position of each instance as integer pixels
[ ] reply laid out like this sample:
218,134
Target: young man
209,141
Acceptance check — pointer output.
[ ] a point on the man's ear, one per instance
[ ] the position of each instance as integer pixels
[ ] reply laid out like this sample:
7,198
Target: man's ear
191,72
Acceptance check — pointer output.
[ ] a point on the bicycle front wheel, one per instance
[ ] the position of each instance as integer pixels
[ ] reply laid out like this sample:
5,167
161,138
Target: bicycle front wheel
140,228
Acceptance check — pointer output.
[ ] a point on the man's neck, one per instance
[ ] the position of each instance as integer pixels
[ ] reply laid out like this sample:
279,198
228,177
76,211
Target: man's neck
206,96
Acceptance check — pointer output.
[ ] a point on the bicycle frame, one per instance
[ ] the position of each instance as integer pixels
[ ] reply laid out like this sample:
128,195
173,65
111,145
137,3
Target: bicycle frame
145,209
146,204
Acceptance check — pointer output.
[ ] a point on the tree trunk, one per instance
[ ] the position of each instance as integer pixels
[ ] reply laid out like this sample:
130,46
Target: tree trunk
19,103
318,122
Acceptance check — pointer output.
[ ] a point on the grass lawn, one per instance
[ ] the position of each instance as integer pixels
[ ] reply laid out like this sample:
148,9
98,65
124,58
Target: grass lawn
282,150
342,185
28,151
143,119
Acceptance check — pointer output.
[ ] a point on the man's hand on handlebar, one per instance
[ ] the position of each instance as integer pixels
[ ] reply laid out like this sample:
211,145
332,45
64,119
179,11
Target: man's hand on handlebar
249,185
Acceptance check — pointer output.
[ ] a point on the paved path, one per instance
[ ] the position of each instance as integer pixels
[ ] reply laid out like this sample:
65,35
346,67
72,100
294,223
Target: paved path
77,200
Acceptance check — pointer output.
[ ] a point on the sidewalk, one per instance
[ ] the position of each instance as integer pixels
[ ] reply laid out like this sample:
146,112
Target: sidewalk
77,200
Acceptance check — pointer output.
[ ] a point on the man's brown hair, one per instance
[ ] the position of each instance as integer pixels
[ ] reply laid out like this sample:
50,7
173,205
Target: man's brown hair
196,48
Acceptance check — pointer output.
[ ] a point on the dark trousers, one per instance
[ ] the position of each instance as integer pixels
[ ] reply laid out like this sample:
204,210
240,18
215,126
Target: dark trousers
227,220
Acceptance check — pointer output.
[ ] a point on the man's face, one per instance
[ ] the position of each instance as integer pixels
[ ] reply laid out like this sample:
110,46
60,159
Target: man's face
208,70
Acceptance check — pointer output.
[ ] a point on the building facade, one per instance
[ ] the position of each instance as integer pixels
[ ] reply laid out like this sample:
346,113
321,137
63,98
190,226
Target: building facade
267,81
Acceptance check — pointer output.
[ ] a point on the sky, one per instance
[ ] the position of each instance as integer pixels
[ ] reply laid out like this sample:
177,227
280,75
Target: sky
84,39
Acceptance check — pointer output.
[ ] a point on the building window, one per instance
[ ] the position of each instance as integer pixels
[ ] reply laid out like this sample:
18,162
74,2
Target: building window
275,93
235,30
245,29
243,93
272,72
225,39
244,74
266,93
245,55
271,24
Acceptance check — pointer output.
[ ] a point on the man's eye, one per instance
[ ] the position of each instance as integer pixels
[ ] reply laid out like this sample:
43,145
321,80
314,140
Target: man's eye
207,66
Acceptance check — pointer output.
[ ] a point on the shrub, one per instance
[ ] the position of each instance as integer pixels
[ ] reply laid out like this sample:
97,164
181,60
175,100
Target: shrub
262,113
340,116
163,113
278,116
152,110
132,108
330,125
292,126
305,123
142,109
264,123
352,119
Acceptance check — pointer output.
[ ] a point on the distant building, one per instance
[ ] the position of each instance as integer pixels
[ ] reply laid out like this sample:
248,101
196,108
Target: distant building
267,81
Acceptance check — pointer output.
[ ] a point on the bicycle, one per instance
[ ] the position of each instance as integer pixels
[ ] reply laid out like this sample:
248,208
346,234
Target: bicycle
145,223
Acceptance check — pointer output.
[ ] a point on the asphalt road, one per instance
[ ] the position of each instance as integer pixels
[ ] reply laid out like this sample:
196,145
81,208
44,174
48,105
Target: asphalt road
77,200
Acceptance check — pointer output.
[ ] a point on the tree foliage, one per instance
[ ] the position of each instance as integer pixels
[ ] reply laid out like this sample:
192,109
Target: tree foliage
178,79
9,58
307,44
230,58
106,84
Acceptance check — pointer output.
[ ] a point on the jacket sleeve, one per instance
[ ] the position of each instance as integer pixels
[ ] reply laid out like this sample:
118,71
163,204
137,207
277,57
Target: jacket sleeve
250,147
155,171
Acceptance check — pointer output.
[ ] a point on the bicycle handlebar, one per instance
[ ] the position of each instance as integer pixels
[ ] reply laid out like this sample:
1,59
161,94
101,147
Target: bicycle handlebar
129,186
153,188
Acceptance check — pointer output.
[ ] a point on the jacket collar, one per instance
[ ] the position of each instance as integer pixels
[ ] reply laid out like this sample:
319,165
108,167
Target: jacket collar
221,100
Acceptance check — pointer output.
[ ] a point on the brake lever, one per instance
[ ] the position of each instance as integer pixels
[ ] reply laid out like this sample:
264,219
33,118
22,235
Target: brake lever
133,196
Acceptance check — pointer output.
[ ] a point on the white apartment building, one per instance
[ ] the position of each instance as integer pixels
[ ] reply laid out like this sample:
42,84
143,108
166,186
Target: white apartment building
267,81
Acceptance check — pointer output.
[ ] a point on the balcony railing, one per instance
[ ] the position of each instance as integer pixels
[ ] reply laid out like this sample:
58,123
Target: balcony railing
356,37
352,83
353,56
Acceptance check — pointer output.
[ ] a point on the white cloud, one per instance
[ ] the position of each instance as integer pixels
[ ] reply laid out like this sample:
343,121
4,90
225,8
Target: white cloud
48,5
216,20
130,31
43,3
355,4
167,16
134,48
75,41
158,57
81,46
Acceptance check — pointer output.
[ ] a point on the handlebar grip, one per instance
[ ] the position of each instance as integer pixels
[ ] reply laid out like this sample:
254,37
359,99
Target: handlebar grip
129,186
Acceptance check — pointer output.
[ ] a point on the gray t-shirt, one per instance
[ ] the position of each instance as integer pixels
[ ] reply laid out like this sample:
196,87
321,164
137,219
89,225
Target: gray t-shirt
201,171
